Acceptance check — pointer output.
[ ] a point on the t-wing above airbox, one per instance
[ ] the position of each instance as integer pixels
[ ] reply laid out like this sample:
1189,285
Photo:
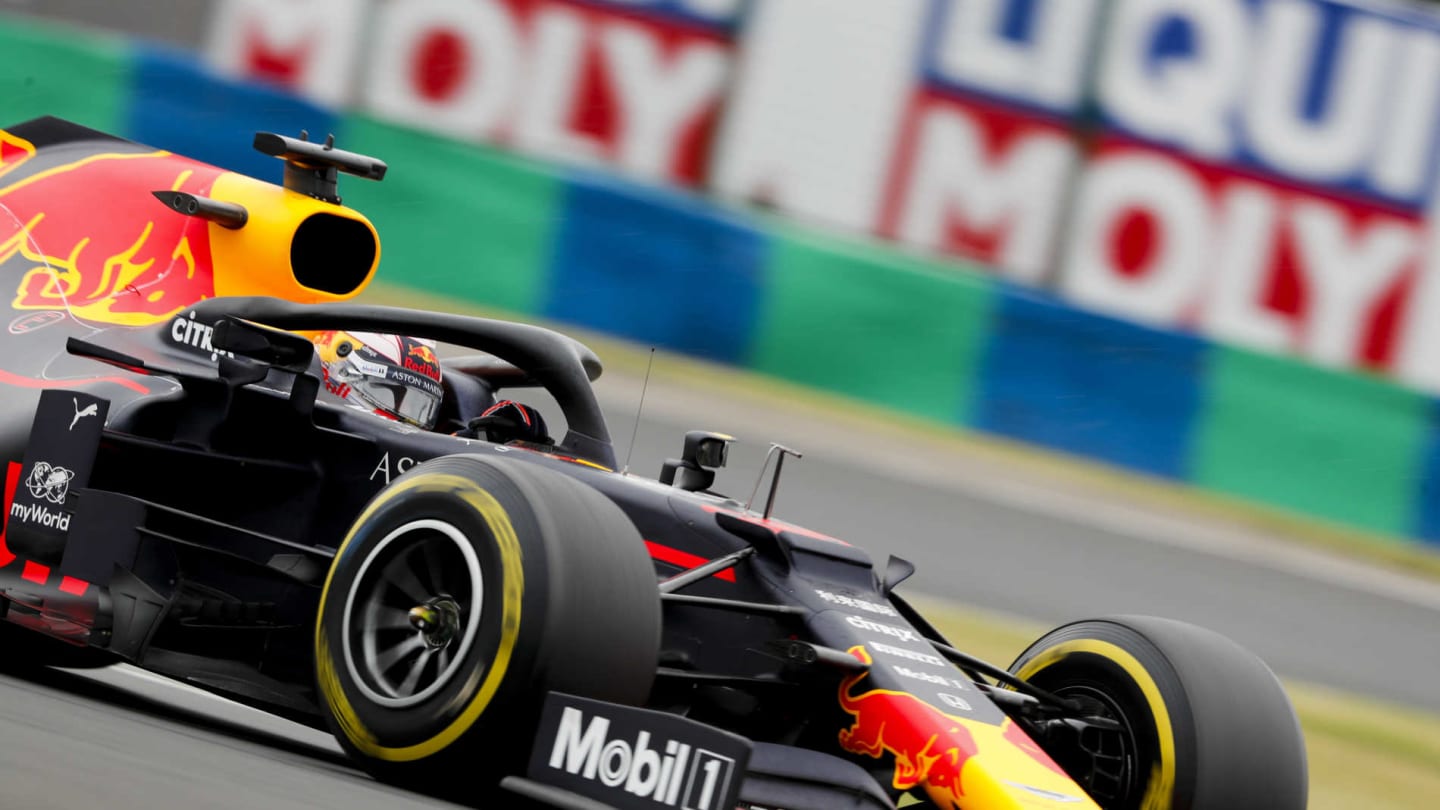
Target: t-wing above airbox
312,168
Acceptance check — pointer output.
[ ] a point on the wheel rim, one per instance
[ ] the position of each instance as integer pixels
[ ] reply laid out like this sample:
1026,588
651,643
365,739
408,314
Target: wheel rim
1104,761
413,613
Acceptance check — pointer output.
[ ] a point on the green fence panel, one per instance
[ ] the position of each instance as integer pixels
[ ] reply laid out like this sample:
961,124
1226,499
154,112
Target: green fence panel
1340,446
456,219
58,71
854,318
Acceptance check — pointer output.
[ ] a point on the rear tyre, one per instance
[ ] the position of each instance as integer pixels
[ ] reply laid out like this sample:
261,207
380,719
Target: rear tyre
1204,724
465,591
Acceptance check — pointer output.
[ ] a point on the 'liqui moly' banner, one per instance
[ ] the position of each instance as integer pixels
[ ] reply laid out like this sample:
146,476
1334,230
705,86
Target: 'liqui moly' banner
952,133
1264,176
633,84
1258,171
986,154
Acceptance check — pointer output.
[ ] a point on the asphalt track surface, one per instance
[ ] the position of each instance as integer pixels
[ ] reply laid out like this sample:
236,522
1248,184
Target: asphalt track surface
122,739
983,533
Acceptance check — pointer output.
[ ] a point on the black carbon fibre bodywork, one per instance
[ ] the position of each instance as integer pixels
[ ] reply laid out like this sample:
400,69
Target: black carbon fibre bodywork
218,497
176,488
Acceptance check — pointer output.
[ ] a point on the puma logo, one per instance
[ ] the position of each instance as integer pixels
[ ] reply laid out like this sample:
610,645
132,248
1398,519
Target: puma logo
90,410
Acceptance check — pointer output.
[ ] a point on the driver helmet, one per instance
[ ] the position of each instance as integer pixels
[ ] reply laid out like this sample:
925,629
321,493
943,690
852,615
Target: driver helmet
394,376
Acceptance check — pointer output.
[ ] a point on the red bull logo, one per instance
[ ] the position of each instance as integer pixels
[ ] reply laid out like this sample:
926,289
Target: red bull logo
930,747
88,237
424,354
334,386
421,359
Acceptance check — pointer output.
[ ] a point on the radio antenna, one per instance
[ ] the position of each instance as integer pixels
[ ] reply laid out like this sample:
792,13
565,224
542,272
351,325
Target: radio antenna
634,434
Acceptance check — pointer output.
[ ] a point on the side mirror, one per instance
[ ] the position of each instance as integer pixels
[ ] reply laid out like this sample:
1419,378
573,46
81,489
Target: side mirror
703,454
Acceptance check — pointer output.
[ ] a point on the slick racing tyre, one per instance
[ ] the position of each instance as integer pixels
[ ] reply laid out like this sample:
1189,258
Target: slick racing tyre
465,591
1203,724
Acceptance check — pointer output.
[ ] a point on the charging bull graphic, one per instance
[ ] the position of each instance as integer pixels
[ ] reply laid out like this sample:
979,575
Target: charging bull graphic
421,359
424,354
88,237
929,746
959,762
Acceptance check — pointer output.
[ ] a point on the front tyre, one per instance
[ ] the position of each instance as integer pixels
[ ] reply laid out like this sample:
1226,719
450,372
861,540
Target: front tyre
1203,723
465,591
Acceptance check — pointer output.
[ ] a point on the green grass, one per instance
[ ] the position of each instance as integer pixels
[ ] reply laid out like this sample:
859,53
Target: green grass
1363,753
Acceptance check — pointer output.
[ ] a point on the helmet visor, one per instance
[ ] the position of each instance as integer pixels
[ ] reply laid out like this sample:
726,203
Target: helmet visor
411,404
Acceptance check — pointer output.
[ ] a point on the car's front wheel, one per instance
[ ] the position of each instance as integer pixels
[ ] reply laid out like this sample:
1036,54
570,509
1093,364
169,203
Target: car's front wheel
1197,722
465,591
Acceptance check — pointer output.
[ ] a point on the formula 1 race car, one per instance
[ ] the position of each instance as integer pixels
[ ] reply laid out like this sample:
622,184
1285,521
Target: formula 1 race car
181,494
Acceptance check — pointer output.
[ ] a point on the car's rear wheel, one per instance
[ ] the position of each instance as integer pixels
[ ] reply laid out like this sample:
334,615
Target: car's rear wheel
1201,723
465,591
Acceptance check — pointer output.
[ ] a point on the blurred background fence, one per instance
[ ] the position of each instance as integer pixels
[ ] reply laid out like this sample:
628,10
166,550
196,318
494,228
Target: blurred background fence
1192,239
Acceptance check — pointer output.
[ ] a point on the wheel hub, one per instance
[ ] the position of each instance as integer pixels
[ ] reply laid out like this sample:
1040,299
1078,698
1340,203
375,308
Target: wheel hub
437,620
412,615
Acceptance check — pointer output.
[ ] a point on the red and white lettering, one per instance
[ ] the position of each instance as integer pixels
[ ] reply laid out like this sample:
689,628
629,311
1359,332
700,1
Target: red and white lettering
662,95
1247,233
1139,238
445,66
556,79
1346,271
989,188
560,54
1164,241
1416,360
308,46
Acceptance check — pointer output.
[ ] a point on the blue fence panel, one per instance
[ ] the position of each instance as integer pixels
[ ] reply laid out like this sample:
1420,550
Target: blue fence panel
1426,498
180,105
663,268
1090,385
